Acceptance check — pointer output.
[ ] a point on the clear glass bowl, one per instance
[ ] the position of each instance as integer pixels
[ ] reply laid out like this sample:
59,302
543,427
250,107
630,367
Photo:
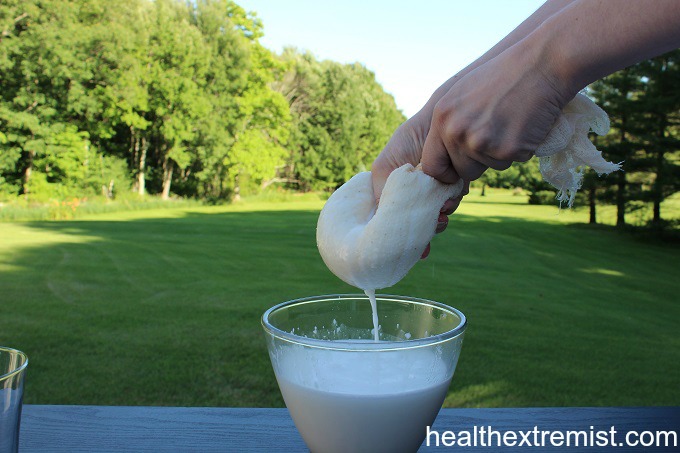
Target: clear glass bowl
13,365
349,393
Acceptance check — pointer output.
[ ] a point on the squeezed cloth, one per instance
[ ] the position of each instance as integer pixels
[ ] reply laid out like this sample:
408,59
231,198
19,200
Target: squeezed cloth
374,246
567,149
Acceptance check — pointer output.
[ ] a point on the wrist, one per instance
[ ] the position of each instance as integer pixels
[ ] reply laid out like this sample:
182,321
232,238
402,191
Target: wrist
549,51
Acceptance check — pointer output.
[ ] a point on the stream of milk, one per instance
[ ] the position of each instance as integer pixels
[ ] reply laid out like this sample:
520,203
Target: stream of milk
374,308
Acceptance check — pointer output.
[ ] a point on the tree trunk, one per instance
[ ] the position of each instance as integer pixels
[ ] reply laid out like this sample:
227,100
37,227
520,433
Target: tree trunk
134,151
621,184
593,208
168,168
657,188
237,189
483,190
141,167
621,199
30,155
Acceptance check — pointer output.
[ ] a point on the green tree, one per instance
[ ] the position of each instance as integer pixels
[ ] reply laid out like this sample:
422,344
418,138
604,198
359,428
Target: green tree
36,57
181,91
177,63
617,95
225,28
342,117
659,101
259,142
57,64
50,90
643,102
242,140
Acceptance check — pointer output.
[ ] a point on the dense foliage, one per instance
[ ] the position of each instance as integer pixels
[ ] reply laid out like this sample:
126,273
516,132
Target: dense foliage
643,102
171,97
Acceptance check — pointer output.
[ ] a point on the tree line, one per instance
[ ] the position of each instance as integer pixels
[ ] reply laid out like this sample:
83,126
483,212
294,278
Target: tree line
168,97
643,102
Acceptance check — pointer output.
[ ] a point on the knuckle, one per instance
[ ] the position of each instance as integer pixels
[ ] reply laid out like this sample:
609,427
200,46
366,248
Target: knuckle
480,142
447,120
440,116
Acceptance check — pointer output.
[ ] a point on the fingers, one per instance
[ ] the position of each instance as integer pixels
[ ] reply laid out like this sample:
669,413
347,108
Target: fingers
436,161
477,124
466,189
468,168
445,158
450,205
450,166
442,223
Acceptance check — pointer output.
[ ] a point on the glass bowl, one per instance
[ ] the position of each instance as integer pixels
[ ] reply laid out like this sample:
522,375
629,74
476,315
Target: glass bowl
349,393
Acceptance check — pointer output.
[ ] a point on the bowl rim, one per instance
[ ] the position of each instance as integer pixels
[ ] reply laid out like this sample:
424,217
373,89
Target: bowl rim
341,345
17,370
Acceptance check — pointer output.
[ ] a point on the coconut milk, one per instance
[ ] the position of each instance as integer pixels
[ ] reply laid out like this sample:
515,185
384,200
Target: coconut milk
374,308
372,402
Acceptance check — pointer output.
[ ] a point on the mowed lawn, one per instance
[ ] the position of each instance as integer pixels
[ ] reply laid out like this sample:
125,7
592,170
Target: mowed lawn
163,307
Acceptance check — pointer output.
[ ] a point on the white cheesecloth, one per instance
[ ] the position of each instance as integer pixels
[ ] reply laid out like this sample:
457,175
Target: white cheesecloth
567,148
373,247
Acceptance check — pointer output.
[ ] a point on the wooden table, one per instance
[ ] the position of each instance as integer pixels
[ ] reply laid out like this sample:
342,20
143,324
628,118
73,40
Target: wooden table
168,429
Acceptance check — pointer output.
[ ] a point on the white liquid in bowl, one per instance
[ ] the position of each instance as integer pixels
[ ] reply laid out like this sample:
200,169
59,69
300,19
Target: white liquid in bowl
367,402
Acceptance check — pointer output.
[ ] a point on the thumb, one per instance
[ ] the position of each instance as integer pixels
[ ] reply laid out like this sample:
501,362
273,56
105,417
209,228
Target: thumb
379,173
405,146
387,161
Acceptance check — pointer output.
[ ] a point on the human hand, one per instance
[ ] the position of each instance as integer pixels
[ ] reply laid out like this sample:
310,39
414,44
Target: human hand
495,115
405,146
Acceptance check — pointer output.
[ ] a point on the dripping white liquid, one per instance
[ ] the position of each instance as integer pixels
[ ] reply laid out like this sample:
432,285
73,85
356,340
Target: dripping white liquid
374,308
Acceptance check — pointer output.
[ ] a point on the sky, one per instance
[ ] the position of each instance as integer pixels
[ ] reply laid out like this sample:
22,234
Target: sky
412,47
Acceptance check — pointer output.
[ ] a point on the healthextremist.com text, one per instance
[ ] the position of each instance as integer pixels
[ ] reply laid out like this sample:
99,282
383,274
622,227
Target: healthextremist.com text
486,436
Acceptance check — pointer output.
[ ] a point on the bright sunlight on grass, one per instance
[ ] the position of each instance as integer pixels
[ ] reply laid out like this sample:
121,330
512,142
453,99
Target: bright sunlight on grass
162,307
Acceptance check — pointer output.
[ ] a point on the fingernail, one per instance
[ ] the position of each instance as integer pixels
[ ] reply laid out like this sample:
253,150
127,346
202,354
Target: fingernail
426,252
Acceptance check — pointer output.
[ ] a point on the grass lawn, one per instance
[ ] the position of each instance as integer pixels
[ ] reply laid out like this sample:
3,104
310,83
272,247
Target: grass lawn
162,307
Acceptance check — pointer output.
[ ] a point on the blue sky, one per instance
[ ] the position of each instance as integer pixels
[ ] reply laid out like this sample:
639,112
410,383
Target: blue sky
412,47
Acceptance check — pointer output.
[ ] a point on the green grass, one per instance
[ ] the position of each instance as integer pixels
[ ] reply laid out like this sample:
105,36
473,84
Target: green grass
18,209
162,307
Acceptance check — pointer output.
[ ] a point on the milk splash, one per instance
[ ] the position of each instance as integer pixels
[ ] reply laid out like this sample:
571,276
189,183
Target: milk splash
374,308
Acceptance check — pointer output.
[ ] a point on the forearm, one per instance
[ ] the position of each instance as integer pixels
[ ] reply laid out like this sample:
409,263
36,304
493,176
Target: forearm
548,9
589,39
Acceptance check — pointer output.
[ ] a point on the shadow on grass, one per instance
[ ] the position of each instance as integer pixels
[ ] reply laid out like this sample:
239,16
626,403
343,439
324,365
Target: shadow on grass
167,311
480,200
664,237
